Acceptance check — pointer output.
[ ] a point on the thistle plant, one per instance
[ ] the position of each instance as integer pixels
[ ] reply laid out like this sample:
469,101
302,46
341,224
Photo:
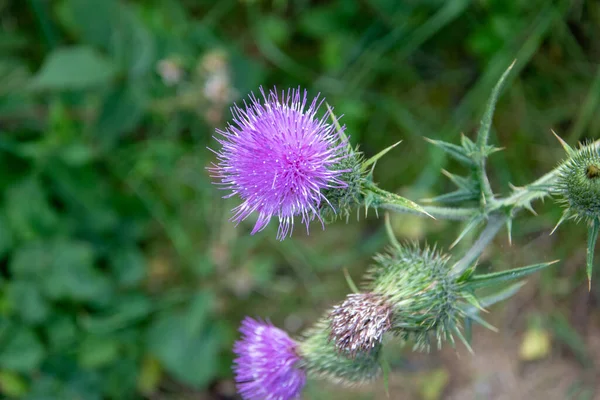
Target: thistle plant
284,160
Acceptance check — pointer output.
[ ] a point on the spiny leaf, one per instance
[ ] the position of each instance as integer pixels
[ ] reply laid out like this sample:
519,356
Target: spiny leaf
337,125
489,300
592,236
482,322
381,196
460,181
454,151
565,216
570,151
486,122
483,280
473,223
377,156
463,339
472,300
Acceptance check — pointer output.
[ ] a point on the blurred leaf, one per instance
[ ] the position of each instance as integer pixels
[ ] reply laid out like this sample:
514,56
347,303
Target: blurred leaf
127,309
12,385
73,275
90,19
76,67
21,351
122,109
185,345
27,301
149,376
97,351
28,212
61,332
128,266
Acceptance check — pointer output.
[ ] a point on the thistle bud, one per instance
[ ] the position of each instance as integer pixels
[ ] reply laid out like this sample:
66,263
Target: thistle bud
423,296
342,200
578,183
322,359
358,324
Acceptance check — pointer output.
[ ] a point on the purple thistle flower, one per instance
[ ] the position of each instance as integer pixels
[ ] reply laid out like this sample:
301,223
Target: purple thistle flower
278,156
266,363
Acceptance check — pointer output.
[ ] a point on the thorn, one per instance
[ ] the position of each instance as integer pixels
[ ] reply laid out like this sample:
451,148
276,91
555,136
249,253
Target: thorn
509,229
564,144
530,209
562,219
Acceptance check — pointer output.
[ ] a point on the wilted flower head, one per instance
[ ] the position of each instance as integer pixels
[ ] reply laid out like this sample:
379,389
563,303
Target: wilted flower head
279,157
358,324
267,363
322,359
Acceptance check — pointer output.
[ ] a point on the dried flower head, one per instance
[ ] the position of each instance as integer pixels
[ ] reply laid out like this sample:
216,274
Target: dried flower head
267,363
358,324
321,359
279,157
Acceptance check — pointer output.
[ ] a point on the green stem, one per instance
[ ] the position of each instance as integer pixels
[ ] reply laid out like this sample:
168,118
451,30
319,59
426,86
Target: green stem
495,222
455,214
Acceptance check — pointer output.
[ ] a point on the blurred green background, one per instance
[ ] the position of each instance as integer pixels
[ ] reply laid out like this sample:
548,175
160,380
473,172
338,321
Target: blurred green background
120,274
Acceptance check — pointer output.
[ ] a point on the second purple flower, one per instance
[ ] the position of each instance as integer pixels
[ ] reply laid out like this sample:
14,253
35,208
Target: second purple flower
278,156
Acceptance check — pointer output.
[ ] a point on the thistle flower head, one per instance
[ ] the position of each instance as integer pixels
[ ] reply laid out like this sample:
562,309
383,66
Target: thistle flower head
322,359
267,363
279,157
423,296
578,183
358,324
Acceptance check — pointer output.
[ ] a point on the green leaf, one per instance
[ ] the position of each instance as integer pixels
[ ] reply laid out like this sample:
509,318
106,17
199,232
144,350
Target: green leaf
128,309
121,111
73,275
483,280
97,351
77,67
21,350
188,356
489,300
28,211
473,223
486,122
365,165
27,300
128,266
186,343
454,151
591,244
12,384
392,201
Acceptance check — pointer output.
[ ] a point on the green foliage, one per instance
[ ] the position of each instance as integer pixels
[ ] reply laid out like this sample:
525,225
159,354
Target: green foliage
119,270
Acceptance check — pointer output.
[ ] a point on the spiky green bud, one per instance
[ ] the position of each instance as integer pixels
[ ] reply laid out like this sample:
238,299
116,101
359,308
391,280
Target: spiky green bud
578,183
322,359
342,200
424,296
